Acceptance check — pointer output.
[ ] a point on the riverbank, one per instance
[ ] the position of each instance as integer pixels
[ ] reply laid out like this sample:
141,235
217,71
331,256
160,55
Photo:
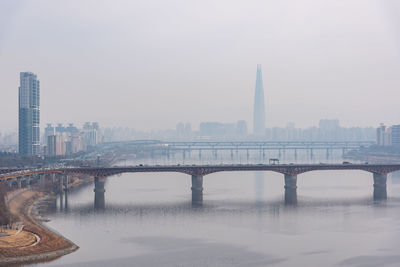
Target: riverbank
49,245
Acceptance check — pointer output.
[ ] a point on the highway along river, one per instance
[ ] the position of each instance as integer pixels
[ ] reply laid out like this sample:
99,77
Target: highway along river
245,220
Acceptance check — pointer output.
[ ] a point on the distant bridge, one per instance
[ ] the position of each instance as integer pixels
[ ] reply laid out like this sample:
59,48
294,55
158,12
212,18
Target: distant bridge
290,172
236,145
267,145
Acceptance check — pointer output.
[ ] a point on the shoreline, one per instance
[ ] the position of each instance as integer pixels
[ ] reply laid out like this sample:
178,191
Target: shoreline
50,246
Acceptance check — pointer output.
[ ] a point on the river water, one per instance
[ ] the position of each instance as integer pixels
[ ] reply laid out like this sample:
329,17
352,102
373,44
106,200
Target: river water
245,220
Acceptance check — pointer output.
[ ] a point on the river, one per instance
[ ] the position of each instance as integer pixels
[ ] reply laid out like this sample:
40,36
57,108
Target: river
245,220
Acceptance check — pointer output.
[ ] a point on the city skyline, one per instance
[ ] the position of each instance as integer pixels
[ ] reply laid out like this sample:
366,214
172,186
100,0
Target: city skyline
175,64
258,111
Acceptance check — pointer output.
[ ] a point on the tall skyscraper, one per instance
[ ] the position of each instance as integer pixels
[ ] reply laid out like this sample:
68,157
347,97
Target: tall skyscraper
259,108
29,114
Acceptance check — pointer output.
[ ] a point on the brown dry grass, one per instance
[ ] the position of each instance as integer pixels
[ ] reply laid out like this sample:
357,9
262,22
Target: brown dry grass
21,239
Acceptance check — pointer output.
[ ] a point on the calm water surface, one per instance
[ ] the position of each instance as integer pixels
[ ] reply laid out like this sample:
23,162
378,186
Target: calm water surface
148,220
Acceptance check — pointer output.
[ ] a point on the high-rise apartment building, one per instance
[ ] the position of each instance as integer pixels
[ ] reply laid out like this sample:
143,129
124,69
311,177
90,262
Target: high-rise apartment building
395,135
384,135
259,108
29,114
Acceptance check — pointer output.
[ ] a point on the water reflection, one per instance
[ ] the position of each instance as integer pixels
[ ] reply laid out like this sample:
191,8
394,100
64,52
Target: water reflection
290,196
63,200
230,208
99,199
66,200
380,193
149,219
259,187
197,191
61,196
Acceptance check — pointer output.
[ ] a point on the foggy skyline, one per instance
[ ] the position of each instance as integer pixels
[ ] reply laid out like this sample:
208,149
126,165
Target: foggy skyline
149,65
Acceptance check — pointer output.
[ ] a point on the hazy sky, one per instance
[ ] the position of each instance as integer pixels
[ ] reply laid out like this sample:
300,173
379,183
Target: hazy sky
151,64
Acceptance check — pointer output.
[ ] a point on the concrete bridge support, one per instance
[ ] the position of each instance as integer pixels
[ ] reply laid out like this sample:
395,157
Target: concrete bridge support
61,190
380,180
197,190
99,199
61,201
65,182
41,180
28,181
10,184
61,183
290,181
290,189
66,200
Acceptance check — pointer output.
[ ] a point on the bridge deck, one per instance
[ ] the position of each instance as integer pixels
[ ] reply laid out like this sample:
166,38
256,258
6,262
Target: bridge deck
201,170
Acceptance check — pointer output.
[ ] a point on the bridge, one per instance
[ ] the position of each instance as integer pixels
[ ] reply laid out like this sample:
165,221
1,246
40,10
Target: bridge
197,172
262,147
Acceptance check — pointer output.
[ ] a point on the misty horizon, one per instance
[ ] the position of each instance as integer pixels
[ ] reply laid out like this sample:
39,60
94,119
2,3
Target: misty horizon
152,65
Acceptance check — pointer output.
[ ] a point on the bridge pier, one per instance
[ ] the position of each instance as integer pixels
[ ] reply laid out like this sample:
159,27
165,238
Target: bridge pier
10,184
42,180
380,180
290,181
380,186
66,200
197,190
290,189
61,183
61,200
99,200
28,181
65,182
